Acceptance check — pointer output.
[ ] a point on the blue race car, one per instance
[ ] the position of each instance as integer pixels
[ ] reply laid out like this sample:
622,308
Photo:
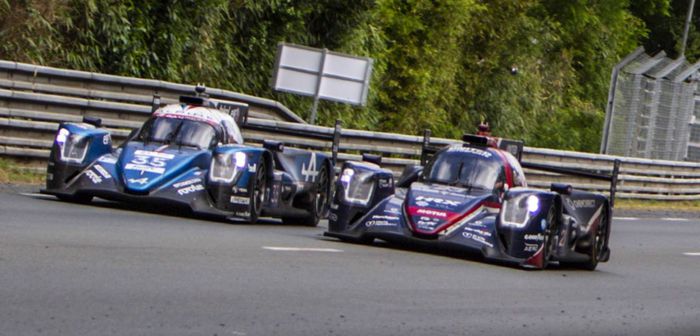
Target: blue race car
473,197
191,155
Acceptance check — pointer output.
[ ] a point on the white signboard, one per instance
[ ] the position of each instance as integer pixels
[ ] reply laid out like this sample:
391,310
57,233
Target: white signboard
322,74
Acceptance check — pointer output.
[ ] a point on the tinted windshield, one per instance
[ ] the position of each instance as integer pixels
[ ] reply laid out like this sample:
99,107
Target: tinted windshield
465,167
180,132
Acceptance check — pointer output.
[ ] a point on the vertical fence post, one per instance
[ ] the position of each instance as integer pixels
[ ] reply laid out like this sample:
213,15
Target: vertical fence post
424,147
613,182
336,142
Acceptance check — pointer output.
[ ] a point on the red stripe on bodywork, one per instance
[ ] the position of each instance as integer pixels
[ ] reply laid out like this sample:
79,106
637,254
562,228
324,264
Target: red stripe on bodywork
450,218
509,169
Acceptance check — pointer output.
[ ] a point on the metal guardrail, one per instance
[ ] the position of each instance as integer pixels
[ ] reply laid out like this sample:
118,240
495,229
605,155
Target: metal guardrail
33,100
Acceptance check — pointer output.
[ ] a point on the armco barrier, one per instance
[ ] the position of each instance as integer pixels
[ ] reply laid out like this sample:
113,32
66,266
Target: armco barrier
34,99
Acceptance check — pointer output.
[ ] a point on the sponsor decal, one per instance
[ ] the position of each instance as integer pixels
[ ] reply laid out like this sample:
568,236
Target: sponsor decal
108,159
49,177
531,247
240,200
252,167
332,217
395,211
138,181
102,171
96,179
142,168
476,238
379,223
534,237
478,231
581,203
190,189
187,182
386,183
471,150
334,206
436,200
310,172
477,223
242,214
383,217
164,156
106,139
432,213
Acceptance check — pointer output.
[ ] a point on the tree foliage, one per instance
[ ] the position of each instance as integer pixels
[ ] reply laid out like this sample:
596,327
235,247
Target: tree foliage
439,64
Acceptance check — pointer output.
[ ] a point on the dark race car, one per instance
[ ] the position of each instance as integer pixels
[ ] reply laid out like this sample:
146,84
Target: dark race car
191,155
473,197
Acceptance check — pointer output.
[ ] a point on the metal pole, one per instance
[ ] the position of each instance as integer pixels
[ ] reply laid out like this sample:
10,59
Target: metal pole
687,27
317,96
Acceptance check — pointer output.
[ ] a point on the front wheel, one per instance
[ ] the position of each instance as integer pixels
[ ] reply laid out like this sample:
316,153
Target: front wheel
258,189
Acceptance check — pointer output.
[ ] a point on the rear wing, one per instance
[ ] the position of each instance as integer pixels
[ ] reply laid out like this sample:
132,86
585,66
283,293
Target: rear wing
611,177
306,133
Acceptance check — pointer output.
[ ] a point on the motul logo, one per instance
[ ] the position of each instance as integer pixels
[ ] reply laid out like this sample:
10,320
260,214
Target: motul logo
432,213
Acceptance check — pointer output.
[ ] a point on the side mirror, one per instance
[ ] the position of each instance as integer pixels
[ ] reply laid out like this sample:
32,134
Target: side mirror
561,188
409,175
94,121
273,146
376,159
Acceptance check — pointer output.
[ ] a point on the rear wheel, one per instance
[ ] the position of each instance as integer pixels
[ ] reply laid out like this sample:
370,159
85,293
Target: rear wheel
257,193
598,243
320,200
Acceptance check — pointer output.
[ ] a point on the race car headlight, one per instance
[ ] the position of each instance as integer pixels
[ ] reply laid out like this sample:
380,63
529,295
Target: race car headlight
72,147
518,210
226,167
358,186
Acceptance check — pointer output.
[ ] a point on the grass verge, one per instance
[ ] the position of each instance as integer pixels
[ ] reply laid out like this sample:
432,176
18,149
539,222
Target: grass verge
13,172
633,204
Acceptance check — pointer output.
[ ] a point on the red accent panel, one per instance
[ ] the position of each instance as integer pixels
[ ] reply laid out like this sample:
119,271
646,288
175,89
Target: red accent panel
509,169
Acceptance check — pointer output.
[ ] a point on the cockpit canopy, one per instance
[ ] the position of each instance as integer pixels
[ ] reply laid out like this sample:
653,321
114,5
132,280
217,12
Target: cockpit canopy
179,132
474,168
190,126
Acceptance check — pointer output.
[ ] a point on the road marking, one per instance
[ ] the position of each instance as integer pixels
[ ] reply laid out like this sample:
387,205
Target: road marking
38,195
626,218
692,254
300,249
674,219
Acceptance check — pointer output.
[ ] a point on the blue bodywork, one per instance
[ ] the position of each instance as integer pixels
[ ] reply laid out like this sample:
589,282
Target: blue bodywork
84,164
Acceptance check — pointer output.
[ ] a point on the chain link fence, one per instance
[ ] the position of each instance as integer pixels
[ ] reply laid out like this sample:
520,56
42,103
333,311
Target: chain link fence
652,109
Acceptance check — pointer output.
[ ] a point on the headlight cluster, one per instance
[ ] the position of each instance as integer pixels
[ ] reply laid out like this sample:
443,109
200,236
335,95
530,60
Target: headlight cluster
226,167
72,147
518,210
358,186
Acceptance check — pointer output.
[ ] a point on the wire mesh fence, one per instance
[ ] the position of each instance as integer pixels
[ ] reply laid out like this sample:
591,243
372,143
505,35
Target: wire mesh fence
653,109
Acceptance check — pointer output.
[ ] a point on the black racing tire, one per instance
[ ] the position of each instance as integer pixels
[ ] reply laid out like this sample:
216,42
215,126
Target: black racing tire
549,242
77,198
598,244
258,188
319,201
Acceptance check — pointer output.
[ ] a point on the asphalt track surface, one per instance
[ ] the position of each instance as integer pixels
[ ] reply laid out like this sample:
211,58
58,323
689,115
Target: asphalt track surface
107,269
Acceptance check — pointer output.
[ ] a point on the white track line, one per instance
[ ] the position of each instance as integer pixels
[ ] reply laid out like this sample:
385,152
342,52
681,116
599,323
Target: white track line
300,249
38,195
626,218
674,219
692,254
